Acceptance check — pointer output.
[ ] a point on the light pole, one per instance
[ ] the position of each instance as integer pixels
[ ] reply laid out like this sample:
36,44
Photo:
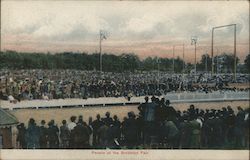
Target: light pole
193,42
102,37
206,63
158,66
217,61
183,64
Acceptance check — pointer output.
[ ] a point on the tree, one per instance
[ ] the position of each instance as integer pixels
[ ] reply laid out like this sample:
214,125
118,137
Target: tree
205,63
247,63
227,62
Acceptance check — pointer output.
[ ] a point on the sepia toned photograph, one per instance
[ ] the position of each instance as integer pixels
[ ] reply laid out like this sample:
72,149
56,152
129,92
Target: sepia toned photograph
124,79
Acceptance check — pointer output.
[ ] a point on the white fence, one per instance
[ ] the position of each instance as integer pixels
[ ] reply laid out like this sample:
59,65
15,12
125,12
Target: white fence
107,101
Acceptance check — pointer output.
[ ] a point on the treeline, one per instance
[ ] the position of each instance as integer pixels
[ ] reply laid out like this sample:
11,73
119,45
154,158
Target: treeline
84,61
110,62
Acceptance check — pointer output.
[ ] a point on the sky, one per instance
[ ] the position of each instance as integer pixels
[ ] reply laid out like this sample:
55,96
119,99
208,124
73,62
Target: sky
145,28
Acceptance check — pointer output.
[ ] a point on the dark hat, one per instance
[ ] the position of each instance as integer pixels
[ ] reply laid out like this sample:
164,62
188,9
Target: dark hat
43,122
31,121
80,121
64,121
167,102
107,114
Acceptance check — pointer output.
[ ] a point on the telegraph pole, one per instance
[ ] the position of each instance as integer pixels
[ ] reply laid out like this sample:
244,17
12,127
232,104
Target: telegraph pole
183,64
102,37
158,73
173,57
206,63
100,44
193,42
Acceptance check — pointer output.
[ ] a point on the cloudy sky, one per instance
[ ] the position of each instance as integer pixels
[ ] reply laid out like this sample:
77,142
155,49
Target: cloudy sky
145,28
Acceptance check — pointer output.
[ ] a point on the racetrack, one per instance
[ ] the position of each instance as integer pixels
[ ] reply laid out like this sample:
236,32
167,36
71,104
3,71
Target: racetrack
58,114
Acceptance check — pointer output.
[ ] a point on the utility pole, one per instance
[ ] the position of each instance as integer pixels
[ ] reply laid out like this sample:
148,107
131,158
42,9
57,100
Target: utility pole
206,63
158,66
217,61
173,57
183,64
102,37
194,42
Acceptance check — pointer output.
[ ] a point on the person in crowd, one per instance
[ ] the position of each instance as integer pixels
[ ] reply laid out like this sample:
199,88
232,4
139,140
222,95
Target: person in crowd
230,121
43,135
55,84
64,135
130,131
195,136
171,132
90,128
108,119
96,124
102,133
53,132
149,119
71,126
246,128
80,135
239,128
185,132
117,128
193,128
21,136
32,135
72,123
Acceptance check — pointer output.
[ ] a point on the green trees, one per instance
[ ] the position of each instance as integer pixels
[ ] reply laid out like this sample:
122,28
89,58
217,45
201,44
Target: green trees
223,63
111,62
205,63
247,63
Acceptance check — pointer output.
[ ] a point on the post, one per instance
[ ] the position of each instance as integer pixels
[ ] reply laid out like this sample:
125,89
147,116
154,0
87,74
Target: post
173,57
195,58
217,62
235,58
206,63
158,66
235,65
183,64
194,42
100,52
212,51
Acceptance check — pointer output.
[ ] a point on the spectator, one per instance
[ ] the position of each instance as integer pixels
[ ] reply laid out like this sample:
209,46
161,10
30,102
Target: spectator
43,135
32,135
53,132
189,129
81,135
21,135
96,124
64,135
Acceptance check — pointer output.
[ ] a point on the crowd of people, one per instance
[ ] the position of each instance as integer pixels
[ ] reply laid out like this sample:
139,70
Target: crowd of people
56,84
157,125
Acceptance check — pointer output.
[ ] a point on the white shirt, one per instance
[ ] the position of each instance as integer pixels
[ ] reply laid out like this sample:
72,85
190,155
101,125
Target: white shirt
71,125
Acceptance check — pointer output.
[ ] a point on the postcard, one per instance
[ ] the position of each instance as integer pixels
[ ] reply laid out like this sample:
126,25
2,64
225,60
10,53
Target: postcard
124,80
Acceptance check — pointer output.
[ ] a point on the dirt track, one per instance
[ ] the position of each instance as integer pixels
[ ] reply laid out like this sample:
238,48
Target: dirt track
59,114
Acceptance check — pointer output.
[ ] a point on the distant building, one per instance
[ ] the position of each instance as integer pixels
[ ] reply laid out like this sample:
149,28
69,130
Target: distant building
7,121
